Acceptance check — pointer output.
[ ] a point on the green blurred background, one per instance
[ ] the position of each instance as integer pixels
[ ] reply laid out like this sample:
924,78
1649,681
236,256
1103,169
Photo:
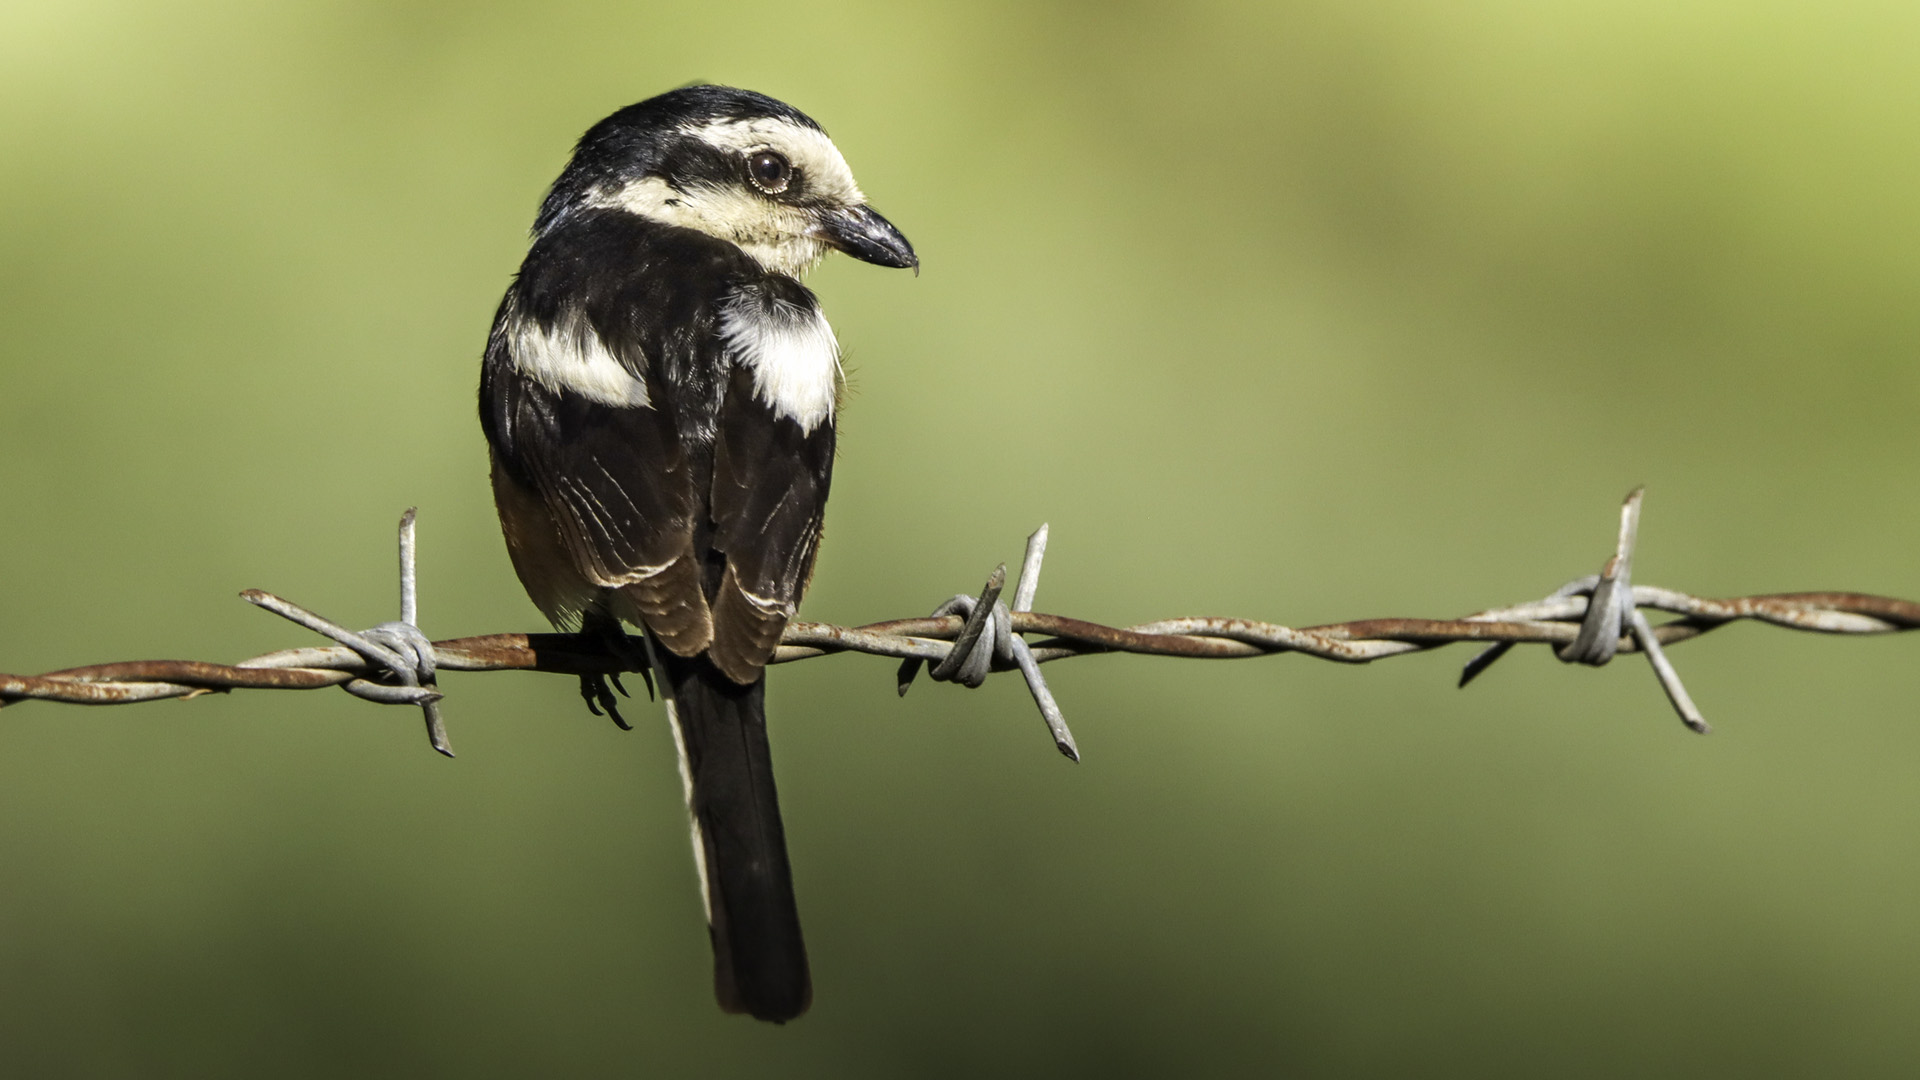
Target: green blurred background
1300,311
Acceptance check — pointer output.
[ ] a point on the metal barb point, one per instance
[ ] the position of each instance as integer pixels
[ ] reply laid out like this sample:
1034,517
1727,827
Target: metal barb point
1023,654
409,583
1612,599
1663,670
909,671
1030,569
1483,660
410,617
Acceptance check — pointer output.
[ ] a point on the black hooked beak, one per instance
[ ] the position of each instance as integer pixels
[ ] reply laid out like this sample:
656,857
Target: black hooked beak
865,235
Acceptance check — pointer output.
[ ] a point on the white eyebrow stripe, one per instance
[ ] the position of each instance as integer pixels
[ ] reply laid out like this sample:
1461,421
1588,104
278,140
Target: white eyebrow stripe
825,168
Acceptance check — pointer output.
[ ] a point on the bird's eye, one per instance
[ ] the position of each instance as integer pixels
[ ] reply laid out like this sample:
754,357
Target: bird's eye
769,172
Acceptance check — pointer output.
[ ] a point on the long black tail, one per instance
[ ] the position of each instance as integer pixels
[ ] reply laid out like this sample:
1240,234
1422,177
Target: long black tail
759,959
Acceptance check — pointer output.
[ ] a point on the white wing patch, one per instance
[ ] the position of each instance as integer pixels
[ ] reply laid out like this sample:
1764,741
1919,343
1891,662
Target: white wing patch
791,351
570,356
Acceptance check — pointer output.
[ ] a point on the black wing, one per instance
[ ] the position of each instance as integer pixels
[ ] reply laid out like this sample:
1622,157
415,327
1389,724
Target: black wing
770,483
616,485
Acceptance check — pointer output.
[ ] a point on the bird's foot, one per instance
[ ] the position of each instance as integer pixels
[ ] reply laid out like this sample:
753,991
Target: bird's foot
627,655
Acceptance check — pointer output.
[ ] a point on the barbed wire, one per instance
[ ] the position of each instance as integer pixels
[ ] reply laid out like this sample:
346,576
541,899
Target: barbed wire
1589,621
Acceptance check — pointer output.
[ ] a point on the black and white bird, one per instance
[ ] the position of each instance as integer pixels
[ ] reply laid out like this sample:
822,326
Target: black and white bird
658,395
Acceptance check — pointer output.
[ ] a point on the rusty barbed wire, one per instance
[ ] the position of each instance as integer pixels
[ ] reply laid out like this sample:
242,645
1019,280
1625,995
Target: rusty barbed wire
1589,620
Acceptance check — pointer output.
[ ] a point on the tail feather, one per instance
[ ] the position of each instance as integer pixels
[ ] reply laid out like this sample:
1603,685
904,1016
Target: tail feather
759,958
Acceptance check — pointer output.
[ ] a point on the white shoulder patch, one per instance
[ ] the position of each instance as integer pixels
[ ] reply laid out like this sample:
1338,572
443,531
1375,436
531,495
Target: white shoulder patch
792,352
570,356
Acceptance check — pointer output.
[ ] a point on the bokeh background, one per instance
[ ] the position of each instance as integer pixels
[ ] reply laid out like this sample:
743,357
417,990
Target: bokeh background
1303,311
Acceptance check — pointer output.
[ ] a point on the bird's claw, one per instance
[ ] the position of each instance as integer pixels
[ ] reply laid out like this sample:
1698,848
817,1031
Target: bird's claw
606,631
593,689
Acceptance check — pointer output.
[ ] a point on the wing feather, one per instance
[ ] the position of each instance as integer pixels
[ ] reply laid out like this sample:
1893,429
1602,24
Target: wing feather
619,486
770,483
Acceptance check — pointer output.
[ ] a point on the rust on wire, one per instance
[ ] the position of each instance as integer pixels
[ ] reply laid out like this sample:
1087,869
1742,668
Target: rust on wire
1590,620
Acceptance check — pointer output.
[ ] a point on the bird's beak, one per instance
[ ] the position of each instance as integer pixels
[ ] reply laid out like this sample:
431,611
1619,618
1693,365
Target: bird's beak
865,235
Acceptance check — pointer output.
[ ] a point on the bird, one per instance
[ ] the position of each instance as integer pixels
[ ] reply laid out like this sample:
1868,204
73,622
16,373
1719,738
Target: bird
658,395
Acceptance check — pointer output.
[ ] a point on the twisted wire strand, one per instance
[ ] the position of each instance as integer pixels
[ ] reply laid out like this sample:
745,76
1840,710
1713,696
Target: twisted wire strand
930,639
1589,620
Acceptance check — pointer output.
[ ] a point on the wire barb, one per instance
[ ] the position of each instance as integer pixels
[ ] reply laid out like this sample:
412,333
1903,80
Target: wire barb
1611,618
973,655
1023,654
399,648
1610,599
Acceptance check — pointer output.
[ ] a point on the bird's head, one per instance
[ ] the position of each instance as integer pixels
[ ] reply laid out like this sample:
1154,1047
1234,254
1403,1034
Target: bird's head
735,165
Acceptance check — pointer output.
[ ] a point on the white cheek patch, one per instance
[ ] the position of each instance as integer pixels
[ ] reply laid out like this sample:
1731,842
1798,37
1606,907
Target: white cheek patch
775,236
791,351
570,356
789,255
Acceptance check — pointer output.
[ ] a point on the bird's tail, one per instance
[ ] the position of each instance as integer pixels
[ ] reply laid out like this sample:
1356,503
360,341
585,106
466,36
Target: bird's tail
759,959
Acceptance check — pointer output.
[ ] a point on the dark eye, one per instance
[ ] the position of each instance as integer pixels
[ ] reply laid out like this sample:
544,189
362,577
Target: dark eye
769,172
